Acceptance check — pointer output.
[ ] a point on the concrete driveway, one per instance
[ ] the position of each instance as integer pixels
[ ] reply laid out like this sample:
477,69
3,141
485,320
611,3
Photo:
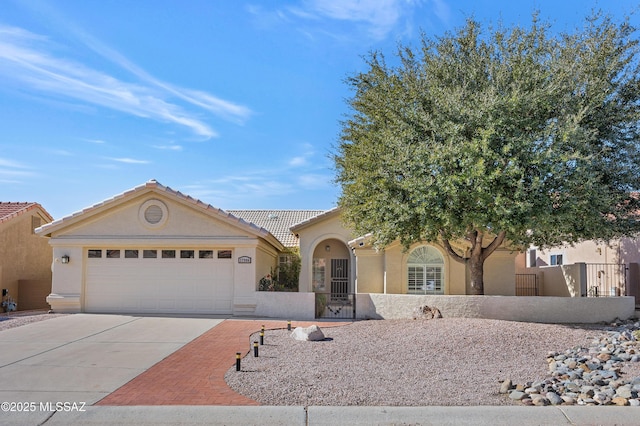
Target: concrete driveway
83,357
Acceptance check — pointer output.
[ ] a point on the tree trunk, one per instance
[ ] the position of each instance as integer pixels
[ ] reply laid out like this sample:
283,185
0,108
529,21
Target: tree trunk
476,272
478,254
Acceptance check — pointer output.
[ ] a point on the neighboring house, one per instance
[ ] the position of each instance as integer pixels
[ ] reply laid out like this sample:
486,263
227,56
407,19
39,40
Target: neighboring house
587,268
155,250
25,258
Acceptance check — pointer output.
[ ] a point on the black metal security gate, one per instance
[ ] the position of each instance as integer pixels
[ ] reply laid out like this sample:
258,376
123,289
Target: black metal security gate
339,302
606,279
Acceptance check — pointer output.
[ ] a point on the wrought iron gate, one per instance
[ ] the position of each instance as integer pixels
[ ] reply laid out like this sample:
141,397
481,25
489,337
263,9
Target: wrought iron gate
527,285
339,302
606,279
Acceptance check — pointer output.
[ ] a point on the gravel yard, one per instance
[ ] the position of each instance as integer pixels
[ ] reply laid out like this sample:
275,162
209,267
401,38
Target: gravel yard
448,361
16,319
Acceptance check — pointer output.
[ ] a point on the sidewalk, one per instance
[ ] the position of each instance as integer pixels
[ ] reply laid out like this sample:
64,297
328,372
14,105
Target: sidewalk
332,416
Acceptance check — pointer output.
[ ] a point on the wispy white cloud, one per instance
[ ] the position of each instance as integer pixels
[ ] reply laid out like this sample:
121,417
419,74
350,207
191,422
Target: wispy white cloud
62,152
11,168
298,161
127,160
238,188
377,17
303,159
95,141
314,181
380,15
30,59
170,147
442,10
304,172
11,164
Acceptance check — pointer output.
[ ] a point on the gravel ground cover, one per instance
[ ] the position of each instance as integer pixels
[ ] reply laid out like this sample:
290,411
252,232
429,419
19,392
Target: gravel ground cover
446,362
19,318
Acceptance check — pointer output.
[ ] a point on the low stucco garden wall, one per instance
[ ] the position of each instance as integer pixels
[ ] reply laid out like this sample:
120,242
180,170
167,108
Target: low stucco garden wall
300,306
559,310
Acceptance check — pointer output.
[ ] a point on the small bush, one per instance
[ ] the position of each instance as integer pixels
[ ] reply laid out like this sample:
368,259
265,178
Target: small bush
284,277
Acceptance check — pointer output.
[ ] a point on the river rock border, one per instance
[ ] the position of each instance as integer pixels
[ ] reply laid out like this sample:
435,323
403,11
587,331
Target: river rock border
587,376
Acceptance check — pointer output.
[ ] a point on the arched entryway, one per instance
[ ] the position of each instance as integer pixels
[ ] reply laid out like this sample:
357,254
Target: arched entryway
332,279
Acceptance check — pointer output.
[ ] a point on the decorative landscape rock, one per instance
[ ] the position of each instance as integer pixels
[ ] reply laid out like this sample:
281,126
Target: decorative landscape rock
311,333
587,376
426,312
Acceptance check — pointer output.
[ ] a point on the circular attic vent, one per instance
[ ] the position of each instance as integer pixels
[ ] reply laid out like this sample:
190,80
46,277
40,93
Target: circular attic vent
153,213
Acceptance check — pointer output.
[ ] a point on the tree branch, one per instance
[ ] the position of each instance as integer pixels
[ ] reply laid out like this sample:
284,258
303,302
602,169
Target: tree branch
450,249
486,252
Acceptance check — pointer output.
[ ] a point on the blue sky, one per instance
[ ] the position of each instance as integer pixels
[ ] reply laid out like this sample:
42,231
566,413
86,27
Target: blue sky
237,103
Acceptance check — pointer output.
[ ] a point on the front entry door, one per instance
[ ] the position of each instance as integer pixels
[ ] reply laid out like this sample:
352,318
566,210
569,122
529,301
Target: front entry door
339,279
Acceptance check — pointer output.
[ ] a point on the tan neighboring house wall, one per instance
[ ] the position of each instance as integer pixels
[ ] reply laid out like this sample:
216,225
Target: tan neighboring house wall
25,258
568,278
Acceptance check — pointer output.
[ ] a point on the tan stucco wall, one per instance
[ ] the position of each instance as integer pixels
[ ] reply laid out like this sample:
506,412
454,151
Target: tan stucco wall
385,271
285,305
625,250
315,236
185,228
265,261
23,254
123,220
510,308
396,270
500,273
369,270
561,280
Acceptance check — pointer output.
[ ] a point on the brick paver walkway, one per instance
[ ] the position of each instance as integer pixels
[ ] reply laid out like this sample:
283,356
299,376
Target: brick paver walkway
194,374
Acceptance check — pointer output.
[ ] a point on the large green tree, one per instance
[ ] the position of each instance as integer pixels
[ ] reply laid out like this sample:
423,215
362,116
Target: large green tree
508,134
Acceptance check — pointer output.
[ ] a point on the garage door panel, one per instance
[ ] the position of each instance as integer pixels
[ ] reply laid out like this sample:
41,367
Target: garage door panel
159,286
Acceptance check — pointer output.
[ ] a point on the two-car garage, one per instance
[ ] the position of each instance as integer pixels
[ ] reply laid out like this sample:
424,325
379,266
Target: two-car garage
153,250
159,281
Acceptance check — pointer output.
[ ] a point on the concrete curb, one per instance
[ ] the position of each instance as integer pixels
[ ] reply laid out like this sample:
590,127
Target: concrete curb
313,416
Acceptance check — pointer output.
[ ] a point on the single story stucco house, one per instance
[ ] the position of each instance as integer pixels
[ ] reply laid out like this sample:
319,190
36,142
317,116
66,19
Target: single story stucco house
25,258
152,249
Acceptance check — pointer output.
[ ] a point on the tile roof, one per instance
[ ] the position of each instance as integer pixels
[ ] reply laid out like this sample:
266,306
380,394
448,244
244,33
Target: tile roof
153,185
277,222
313,219
9,210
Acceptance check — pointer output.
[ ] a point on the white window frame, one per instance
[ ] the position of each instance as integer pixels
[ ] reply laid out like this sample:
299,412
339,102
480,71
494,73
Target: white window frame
425,271
554,256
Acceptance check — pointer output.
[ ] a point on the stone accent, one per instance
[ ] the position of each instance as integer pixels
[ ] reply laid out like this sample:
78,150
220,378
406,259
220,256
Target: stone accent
311,333
426,312
587,376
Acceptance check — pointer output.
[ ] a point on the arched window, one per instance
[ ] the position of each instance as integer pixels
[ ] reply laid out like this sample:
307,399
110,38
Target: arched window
425,271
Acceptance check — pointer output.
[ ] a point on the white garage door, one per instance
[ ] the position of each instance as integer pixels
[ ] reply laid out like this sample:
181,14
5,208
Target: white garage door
159,281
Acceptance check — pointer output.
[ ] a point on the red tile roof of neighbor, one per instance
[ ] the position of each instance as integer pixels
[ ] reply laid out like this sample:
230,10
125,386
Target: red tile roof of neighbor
9,210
